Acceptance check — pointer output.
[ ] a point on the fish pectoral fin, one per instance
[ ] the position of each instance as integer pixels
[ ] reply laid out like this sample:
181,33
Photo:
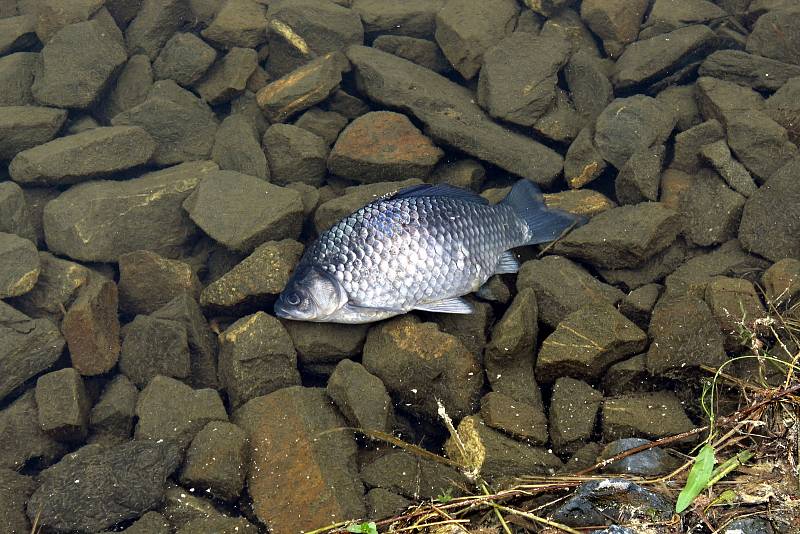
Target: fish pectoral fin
451,305
507,263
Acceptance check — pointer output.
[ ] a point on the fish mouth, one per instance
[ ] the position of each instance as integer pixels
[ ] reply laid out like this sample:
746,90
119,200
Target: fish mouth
281,312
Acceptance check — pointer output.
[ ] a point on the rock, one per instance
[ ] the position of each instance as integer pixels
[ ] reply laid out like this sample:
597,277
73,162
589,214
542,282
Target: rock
736,307
689,143
23,127
494,454
465,29
181,507
19,265
218,525
573,413
384,79
647,415
568,23
148,281
639,303
628,125
651,462
16,77
583,458
770,220
78,63
227,77
237,147
581,202
666,16
238,23
517,86
628,376
519,419
464,173
583,162
114,411
562,123
784,107
330,212
52,15
653,270
775,36
302,88
130,89
22,439
360,396
383,503
420,51
684,336
91,327
15,490
710,210
17,33
256,357
760,143
300,30
622,237
419,364
153,347
588,84
345,104
217,460
682,100
295,155
411,476
562,287
383,146
154,24
184,58
414,18
639,178
16,216
600,502
718,155
325,124
662,58
760,73
325,342
114,485
289,433
182,125
749,525
63,405
242,212
95,153
150,523
721,100
781,282
616,22
101,220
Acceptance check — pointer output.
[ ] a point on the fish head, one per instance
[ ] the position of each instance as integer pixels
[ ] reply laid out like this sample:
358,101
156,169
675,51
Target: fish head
311,294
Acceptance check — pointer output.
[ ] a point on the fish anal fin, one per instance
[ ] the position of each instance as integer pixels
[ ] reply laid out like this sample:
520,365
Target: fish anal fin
507,263
451,305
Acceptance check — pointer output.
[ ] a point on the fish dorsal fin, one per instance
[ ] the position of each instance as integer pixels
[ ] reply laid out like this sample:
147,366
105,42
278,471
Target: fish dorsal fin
451,305
439,190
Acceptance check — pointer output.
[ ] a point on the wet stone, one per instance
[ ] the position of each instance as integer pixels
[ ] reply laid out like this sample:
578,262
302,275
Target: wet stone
761,144
749,525
588,84
383,503
15,490
218,525
131,87
227,77
583,162
573,412
237,147
295,155
561,123
472,328
325,342
411,476
96,153
582,202
515,334
639,178
63,405
24,127
114,485
242,212
601,502
150,523
586,342
666,16
464,173
781,282
723,100
638,304
360,396
22,441
154,24
584,457
689,143
616,22
718,155
784,107
114,411
415,18
184,58
238,23
653,270
309,196
520,420
762,40
52,15
345,104
651,462
382,146
16,77
683,102
420,51
78,63
16,215
736,307
325,124
153,347
710,210
628,376
19,265
645,415
289,438
148,281
758,72
17,33
217,460
181,507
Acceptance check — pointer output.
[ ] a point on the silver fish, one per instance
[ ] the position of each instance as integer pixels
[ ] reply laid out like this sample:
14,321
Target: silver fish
421,249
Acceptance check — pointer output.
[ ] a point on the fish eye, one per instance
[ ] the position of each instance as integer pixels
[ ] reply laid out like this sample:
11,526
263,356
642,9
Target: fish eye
293,299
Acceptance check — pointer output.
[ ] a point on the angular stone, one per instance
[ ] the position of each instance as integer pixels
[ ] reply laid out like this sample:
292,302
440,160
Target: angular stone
639,178
238,23
628,125
17,33
606,501
689,143
24,127
242,212
770,224
360,396
465,29
639,303
519,419
345,104
154,24
100,221
653,270
616,22
464,173
514,338
63,405
91,327
217,460
682,99
16,77
383,146
583,162
573,414
666,16
181,507
53,15
383,503
114,411
775,35
411,476
684,336
419,364
784,107
237,147
289,439
150,523
561,123
722,100
153,347
97,153
644,415
184,58
760,73
582,202
718,155
295,155
760,143
130,89
114,485
736,306
218,524
16,216
710,210
588,84
15,490
628,376
19,265
78,63
325,342
22,441
326,124
147,281
464,126
227,77
420,51
781,282
415,18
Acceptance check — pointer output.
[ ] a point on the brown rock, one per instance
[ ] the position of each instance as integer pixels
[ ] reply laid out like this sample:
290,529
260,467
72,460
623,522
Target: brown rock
91,327
516,418
148,281
735,305
583,202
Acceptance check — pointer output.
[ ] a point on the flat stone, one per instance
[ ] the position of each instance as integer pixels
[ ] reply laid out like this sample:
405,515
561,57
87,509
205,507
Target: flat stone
154,24
184,58
722,100
450,114
19,265
581,202
775,35
52,15
568,23
651,462
16,215
325,342
345,104
628,125
218,525
616,22
640,176
600,502
91,327
583,162
148,281
217,460
130,89
752,70
639,303
295,155
420,51
419,364
412,476
561,123
237,147
521,420
383,146
96,153
326,124
150,523
736,307
644,415
22,439
153,347
710,210
16,78
781,282
464,173
24,127
114,411
573,414
588,84
227,77
689,143
682,100
718,155
242,212
289,438
384,503
784,106
237,23
78,63
666,16
15,490
181,507
653,270
415,18
63,405
101,220
17,33
761,144
360,396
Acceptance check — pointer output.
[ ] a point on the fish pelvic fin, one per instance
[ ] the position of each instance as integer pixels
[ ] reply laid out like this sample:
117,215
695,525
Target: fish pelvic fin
450,305
544,224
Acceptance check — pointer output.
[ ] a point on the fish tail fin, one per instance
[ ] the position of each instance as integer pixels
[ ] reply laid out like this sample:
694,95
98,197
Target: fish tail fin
544,224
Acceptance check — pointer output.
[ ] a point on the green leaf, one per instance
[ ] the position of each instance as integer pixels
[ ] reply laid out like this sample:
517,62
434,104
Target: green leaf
698,478
363,528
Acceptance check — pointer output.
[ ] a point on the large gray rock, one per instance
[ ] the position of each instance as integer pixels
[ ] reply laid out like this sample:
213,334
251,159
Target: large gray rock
237,147
616,22
227,77
24,127
16,214
16,77
237,23
710,210
775,35
15,490
295,155
415,18
22,440
19,265
184,58
17,33
63,405
156,21
130,88
154,347
758,72
761,144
